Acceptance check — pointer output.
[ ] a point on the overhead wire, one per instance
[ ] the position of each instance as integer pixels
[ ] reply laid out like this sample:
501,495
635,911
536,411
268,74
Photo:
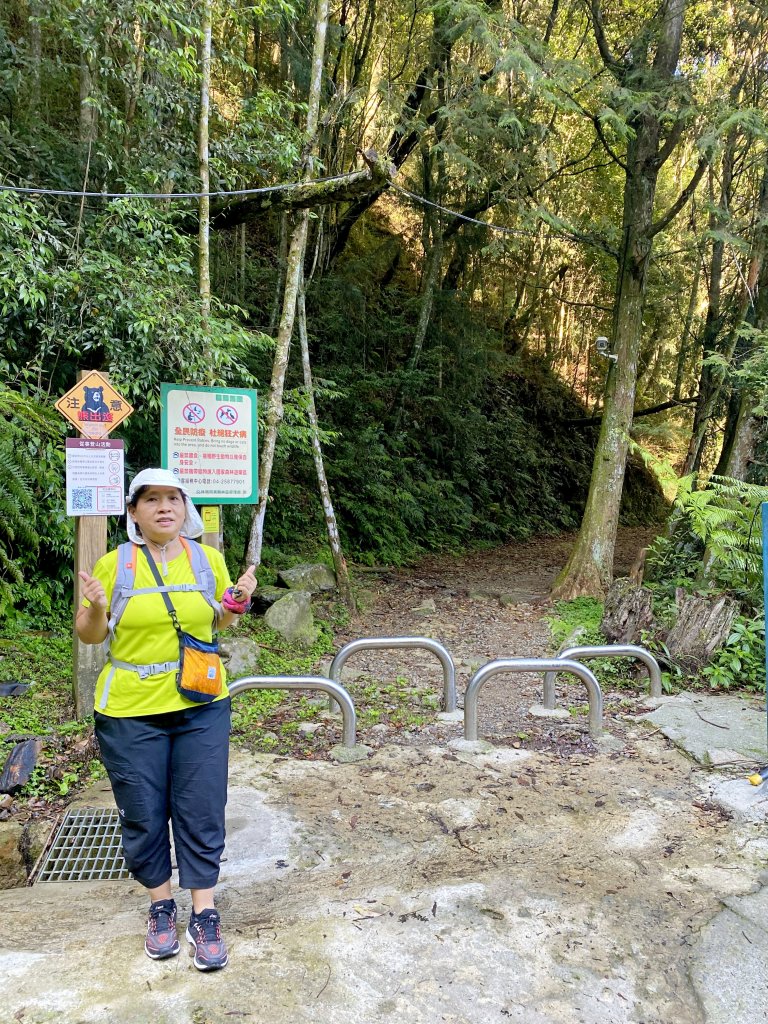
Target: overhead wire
266,189
423,201
219,194
262,190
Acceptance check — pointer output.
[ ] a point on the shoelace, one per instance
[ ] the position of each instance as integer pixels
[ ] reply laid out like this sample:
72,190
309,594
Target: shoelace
154,919
208,928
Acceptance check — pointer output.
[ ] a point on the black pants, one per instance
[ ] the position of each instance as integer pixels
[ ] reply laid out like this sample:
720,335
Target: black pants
170,767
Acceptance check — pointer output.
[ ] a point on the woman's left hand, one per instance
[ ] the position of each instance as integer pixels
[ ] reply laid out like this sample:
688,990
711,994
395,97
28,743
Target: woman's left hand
245,586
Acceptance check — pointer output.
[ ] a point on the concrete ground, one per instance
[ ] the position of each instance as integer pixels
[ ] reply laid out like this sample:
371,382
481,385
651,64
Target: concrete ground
443,884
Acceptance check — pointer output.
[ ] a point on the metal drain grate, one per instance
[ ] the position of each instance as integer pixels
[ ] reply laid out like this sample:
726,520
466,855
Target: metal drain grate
87,847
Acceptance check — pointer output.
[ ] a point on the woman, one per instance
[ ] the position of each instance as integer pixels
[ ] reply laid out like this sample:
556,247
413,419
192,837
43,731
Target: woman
166,756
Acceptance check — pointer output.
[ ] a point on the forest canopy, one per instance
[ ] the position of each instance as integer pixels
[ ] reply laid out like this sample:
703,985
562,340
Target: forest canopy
512,180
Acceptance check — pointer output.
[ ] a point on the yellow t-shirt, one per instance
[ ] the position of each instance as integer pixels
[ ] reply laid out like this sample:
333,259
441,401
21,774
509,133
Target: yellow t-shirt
145,635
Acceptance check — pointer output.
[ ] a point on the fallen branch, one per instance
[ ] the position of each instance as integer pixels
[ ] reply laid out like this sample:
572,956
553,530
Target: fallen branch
593,421
374,177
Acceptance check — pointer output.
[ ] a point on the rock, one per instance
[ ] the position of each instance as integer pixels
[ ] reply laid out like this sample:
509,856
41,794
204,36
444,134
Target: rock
307,728
264,597
450,716
19,766
240,654
310,577
427,607
472,665
726,756
608,744
13,873
321,701
539,711
348,755
34,840
471,746
291,617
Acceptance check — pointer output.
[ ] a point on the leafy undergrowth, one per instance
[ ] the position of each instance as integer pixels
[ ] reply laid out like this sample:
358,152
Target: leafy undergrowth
576,623
287,723
302,726
299,723
68,760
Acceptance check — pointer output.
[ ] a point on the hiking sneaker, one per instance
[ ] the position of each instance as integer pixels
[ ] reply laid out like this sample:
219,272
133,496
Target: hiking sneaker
162,940
204,935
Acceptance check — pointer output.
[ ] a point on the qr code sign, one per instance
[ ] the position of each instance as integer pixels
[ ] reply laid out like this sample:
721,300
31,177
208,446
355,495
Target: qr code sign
82,499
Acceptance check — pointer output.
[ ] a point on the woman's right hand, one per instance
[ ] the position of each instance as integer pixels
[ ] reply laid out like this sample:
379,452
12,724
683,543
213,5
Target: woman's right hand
93,590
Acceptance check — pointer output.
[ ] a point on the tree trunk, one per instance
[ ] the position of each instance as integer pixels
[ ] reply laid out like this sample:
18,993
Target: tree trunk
282,262
204,209
408,132
88,112
242,262
686,337
739,449
293,276
274,414
35,55
133,82
628,611
749,310
708,382
742,423
339,561
702,626
375,178
590,568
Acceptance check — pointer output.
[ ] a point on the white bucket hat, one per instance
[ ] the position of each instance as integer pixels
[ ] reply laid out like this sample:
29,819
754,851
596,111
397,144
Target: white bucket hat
192,525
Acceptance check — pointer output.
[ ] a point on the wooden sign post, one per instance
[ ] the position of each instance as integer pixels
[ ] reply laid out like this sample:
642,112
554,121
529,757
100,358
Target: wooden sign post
87,659
95,408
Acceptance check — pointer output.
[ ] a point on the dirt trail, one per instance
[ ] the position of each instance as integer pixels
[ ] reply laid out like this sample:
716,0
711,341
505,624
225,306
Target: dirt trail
543,881
489,604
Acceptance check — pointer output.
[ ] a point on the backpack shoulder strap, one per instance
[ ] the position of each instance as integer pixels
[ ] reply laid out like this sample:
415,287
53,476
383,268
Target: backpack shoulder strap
202,571
127,557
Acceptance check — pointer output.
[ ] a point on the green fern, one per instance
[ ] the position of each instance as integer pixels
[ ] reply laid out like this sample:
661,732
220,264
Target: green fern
724,517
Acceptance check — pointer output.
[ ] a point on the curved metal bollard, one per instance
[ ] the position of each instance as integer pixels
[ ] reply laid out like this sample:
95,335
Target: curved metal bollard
481,677
606,651
378,642
334,690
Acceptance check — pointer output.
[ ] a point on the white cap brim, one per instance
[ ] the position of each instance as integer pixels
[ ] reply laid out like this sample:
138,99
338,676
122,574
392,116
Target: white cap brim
192,525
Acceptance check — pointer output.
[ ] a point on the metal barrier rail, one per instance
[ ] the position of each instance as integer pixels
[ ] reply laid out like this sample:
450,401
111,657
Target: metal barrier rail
481,677
378,642
606,651
339,694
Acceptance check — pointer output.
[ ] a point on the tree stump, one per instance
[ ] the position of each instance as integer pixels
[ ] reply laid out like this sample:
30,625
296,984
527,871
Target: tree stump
628,610
702,626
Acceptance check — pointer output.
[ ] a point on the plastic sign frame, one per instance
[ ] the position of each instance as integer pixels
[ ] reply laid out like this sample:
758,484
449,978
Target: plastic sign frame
209,439
93,406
